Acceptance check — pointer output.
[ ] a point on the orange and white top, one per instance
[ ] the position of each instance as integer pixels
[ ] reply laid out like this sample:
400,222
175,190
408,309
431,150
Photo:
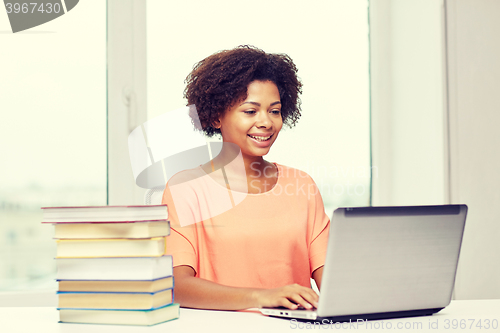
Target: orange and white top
266,240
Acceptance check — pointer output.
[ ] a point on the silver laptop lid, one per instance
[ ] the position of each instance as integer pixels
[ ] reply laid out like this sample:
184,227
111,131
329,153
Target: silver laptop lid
382,259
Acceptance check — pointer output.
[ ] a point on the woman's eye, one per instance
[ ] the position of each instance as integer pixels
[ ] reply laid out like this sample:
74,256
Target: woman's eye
249,112
276,111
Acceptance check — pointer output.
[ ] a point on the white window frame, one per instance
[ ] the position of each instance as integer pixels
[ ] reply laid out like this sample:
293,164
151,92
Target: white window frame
126,94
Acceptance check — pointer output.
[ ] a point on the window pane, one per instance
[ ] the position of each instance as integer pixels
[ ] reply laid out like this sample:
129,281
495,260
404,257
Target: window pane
52,134
328,42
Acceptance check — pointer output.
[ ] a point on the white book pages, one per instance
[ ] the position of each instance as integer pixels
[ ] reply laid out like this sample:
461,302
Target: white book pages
114,268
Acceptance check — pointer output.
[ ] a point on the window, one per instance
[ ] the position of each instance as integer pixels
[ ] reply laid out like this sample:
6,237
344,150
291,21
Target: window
328,41
52,135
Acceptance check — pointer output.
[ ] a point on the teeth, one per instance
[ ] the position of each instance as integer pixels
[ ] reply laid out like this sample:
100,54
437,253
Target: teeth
260,138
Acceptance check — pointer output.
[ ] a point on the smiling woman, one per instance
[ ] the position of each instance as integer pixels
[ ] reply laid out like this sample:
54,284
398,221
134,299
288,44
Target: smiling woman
264,248
253,125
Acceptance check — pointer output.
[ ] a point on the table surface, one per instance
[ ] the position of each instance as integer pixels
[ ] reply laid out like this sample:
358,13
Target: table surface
464,315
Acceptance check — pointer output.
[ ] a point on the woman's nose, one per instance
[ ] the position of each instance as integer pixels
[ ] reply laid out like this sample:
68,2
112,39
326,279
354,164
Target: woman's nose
263,119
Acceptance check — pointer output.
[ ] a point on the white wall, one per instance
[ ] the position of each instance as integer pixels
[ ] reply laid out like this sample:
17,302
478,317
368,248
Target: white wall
435,78
473,45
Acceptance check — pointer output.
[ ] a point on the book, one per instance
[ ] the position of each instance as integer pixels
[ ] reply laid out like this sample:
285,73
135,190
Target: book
92,248
117,286
111,214
120,317
115,300
90,230
121,269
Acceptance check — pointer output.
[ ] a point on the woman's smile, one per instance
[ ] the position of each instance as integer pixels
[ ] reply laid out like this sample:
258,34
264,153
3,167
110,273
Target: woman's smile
261,141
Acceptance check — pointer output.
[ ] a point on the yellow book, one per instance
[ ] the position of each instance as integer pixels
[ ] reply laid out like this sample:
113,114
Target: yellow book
105,248
112,300
149,286
145,229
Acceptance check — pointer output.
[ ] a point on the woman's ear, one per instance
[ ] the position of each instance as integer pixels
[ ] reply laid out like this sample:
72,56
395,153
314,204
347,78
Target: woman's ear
216,124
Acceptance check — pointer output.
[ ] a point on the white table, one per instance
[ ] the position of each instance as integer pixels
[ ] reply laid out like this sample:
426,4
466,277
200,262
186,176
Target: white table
45,319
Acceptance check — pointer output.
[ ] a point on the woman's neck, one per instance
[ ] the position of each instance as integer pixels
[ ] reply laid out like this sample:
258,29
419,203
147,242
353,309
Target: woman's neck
255,166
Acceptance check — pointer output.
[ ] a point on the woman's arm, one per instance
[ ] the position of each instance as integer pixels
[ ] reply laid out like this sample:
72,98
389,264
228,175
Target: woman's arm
194,292
317,275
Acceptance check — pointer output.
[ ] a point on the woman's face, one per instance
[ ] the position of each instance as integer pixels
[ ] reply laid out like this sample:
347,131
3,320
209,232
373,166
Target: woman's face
254,123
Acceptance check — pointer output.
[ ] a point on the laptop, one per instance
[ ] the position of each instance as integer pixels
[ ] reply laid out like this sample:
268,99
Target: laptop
387,262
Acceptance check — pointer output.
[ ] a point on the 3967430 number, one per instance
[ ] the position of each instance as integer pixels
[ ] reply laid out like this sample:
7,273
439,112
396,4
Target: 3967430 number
471,323
33,7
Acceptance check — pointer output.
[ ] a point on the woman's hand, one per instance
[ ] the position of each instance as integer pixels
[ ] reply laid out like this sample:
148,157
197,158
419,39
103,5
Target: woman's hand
291,296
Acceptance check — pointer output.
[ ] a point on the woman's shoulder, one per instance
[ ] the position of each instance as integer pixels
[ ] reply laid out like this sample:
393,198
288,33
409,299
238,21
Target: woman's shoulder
185,176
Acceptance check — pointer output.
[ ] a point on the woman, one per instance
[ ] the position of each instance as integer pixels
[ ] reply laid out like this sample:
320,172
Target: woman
263,249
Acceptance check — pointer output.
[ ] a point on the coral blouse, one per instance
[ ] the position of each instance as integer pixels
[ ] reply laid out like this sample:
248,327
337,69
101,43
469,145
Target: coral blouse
266,240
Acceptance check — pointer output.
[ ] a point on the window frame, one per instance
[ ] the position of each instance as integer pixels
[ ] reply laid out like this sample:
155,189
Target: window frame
126,94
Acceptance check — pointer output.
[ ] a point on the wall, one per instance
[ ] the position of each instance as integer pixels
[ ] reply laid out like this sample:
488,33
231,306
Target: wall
435,75
473,53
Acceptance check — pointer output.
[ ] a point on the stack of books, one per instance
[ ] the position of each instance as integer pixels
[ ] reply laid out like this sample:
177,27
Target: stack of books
111,264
